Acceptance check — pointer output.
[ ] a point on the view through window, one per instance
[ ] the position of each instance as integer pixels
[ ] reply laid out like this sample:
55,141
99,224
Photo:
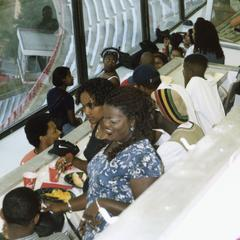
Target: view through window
164,14
224,16
35,37
110,23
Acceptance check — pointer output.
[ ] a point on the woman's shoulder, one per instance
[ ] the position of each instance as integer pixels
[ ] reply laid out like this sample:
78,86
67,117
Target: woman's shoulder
143,145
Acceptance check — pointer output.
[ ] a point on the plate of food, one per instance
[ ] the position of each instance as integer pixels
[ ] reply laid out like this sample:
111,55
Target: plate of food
76,179
55,194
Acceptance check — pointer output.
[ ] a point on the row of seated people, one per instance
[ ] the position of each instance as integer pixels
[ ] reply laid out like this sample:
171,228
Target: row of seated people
125,127
202,39
61,103
138,132
127,144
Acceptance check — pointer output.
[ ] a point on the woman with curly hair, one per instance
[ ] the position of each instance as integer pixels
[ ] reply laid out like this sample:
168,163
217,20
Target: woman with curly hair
206,42
127,166
92,94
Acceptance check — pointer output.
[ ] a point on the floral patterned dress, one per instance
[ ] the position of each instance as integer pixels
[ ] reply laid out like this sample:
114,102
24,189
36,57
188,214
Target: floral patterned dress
111,179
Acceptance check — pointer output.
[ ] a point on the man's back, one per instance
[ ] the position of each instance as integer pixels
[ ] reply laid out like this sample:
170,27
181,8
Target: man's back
206,102
173,150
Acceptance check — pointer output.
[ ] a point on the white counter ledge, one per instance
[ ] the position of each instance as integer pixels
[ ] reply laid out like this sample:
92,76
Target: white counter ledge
192,199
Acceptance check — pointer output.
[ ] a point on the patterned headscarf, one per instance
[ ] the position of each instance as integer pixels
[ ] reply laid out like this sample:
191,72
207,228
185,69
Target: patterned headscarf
171,105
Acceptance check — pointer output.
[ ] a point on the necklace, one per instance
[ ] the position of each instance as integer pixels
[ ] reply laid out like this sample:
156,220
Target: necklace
100,134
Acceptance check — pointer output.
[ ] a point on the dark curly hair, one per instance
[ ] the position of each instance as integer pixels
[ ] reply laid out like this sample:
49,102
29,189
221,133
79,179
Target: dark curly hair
137,105
20,206
206,38
59,74
37,126
97,88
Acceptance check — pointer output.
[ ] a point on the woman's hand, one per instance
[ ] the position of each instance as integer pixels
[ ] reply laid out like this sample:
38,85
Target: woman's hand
55,207
63,163
89,217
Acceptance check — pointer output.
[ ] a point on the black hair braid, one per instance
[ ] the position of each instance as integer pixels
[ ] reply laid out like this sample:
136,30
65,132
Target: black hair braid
138,106
206,38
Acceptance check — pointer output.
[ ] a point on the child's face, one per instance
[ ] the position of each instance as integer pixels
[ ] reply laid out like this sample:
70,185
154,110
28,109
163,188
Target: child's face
109,63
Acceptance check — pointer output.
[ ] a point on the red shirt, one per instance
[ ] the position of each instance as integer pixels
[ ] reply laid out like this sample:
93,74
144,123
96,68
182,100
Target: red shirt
29,156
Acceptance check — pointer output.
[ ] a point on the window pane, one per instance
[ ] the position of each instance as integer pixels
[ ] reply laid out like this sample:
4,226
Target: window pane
35,37
191,5
223,13
163,14
110,23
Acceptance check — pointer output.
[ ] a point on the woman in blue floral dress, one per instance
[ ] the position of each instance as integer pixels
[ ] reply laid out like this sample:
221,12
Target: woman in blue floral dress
121,171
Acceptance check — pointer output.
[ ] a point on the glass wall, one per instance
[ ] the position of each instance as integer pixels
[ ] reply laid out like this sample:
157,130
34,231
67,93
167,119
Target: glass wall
223,15
35,37
163,14
191,5
110,23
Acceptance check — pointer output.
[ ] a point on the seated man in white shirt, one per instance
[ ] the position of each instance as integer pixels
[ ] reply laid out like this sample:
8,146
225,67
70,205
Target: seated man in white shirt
172,106
203,94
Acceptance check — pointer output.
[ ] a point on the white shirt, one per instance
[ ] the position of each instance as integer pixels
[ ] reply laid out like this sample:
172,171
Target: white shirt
206,102
171,152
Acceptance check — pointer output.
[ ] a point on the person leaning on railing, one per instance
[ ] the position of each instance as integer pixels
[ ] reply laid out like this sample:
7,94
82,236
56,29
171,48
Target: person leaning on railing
126,167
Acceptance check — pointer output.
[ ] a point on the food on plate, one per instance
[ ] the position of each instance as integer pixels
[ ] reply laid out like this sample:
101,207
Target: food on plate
59,194
77,180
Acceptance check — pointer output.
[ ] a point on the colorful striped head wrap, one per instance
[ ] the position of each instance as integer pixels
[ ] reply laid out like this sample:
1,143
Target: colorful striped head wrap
171,105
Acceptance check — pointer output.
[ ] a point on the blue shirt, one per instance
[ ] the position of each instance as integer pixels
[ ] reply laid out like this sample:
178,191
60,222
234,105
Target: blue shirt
59,103
111,179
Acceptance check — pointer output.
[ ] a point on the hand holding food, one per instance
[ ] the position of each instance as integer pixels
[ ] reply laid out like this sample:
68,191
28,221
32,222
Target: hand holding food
59,194
63,163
